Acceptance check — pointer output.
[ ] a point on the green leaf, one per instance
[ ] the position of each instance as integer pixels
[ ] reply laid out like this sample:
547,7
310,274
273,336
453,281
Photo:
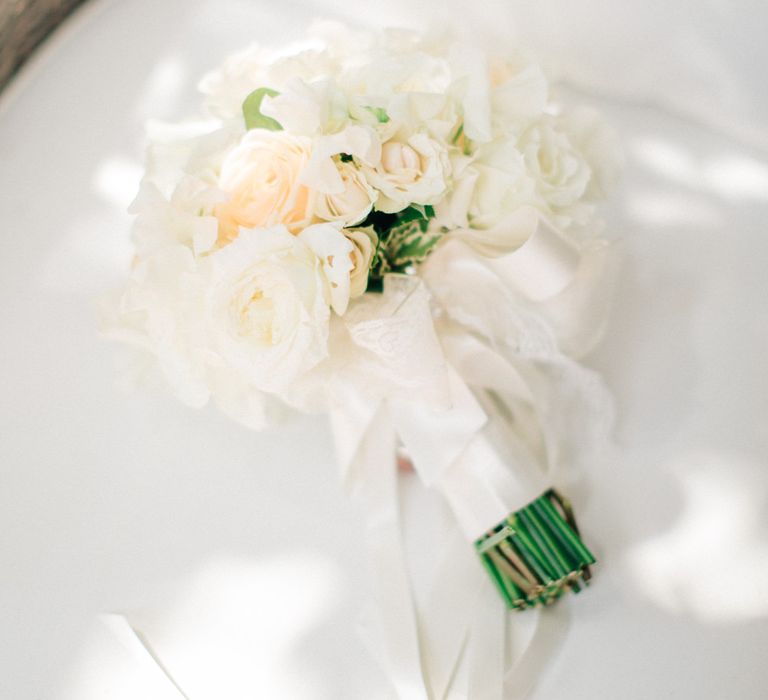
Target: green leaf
380,113
254,119
425,211
404,240
415,212
410,243
458,134
379,264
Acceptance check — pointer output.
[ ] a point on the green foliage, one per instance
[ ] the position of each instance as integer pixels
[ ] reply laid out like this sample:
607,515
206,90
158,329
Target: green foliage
405,241
410,243
254,119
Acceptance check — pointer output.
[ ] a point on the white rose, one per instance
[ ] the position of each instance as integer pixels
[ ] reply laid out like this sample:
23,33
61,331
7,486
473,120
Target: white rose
541,168
352,204
560,173
267,310
261,177
412,172
364,241
487,188
598,144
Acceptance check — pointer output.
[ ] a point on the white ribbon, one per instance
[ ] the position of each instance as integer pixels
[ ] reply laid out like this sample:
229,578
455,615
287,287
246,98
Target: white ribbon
486,653
377,486
543,266
458,445
548,636
543,262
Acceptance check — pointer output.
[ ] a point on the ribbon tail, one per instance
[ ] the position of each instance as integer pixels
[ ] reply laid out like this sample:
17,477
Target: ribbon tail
376,488
446,618
486,653
551,629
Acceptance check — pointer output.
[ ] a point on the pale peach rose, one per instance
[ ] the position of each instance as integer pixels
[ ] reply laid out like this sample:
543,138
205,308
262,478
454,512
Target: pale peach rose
261,177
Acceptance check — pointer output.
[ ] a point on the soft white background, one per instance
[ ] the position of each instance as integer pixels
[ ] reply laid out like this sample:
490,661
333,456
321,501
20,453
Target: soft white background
237,553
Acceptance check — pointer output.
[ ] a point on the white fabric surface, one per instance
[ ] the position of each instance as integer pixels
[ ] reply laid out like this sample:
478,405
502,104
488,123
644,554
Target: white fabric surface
237,555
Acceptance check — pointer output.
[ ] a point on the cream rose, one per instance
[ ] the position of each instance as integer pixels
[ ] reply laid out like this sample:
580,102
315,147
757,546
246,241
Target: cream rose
261,177
352,204
267,310
364,242
412,172
560,173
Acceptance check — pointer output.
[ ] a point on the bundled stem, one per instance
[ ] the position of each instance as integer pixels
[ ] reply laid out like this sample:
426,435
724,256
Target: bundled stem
536,554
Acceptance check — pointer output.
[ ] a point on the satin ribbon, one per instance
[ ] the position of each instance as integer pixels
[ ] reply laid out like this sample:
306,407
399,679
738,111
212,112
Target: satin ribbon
448,435
543,266
542,261
377,490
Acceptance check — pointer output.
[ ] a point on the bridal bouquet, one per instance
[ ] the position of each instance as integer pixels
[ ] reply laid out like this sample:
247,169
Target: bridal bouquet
398,230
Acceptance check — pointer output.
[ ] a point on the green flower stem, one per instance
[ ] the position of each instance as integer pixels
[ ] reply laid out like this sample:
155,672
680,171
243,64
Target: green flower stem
497,578
536,554
556,530
529,550
493,539
505,565
557,568
519,562
577,544
513,592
